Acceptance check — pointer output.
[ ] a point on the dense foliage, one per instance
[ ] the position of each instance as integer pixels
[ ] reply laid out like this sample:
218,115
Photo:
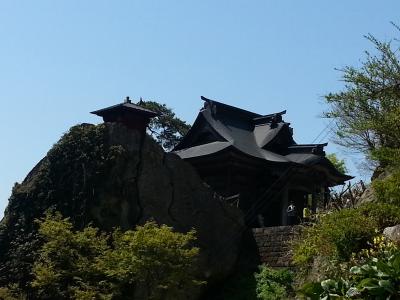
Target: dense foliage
75,167
367,115
387,188
367,111
12,292
273,284
337,235
374,273
166,129
152,261
265,284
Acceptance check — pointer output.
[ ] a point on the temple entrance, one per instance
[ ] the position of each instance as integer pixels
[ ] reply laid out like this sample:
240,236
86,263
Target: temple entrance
300,199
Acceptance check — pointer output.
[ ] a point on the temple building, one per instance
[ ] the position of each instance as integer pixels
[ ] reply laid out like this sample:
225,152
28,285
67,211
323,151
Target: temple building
253,161
248,159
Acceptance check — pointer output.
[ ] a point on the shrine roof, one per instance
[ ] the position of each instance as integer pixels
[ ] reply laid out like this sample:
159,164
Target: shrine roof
126,106
220,127
235,126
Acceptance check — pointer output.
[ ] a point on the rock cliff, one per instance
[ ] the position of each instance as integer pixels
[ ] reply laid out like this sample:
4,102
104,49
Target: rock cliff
112,176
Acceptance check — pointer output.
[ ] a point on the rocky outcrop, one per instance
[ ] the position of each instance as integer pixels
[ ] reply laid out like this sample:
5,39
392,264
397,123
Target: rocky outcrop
112,176
393,233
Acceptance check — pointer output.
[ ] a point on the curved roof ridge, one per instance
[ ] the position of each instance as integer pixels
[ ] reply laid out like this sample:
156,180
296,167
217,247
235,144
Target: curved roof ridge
246,144
216,125
248,113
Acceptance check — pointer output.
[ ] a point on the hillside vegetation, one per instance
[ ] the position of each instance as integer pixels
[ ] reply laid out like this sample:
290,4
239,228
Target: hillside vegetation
344,254
105,177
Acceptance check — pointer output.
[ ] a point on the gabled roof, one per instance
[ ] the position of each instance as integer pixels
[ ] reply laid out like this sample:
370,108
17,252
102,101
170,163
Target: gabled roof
126,106
235,127
225,108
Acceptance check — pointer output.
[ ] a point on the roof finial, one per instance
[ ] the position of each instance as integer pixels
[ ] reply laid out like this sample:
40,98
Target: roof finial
127,100
141,101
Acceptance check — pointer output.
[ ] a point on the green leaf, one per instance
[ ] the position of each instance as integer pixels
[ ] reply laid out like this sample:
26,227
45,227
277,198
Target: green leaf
352,292
356,270
329,284
369,283
387,284
395,261
312,290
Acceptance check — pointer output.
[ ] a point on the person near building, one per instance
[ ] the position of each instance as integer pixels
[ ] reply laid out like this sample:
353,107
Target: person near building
291,213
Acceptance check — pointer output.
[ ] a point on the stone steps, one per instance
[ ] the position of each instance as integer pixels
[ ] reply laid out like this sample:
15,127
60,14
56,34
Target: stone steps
273,244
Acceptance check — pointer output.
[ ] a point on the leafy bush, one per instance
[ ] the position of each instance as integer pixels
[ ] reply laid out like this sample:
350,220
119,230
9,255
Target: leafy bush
388,189
375,275
382,214
336,235
273,284
66,266
11,292
154,256
89,264
339,234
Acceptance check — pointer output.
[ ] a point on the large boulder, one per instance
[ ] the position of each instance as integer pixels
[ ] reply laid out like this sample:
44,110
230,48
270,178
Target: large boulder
393,233
116,177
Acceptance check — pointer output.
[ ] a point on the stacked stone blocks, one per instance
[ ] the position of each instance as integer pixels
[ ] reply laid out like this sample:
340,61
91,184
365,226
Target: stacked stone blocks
274,244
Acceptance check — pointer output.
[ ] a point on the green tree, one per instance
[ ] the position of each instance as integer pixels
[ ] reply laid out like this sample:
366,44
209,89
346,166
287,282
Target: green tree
339,164
367,114
152,260
66,266
153,256
367,111
166,129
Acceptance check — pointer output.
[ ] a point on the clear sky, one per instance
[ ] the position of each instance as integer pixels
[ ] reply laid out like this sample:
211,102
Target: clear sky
59,60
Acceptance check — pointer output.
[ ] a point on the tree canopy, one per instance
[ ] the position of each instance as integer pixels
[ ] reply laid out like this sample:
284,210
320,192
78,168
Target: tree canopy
367,111
151,262
339,164
167,129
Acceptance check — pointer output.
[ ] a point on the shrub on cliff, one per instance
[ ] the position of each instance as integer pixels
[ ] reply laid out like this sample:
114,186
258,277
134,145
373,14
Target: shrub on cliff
89,264
374,273
339,234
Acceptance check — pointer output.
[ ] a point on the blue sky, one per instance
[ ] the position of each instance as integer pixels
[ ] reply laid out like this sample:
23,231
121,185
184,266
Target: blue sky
59,60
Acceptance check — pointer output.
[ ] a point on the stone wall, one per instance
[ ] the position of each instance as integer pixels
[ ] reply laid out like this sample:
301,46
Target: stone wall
273,244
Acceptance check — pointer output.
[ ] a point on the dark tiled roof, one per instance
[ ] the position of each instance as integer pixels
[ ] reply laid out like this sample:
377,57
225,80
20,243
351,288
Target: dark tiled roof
237,129
255,135
126,106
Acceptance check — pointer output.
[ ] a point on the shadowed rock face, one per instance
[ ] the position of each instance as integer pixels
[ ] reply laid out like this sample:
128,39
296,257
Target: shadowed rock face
112,176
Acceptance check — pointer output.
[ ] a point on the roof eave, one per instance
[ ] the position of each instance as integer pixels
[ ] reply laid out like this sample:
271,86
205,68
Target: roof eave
138,110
